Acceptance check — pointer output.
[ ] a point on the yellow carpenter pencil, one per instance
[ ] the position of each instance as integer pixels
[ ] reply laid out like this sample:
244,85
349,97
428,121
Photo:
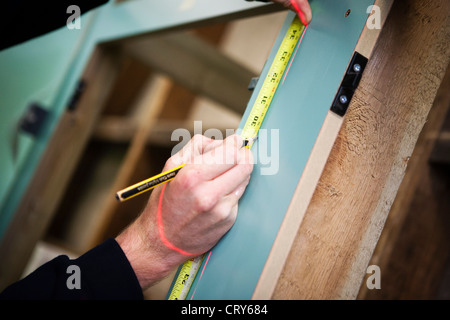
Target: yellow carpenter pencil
148,184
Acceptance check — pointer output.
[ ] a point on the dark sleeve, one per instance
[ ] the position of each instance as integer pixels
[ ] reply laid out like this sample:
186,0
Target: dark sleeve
21,20
104,273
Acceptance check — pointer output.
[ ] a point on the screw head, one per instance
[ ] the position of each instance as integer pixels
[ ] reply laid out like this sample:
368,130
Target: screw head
343,99
356,67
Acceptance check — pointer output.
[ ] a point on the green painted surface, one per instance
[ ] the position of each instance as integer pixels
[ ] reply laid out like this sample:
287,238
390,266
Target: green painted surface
296,115
32,72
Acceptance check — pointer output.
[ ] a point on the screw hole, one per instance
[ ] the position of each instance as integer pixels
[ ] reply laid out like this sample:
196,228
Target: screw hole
348,13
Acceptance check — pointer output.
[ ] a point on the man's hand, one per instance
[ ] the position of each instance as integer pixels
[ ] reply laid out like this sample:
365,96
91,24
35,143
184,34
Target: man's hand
300,6
187,216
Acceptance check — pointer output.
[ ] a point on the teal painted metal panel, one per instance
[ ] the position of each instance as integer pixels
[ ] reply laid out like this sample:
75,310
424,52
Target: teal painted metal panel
297,114
130,18
32,72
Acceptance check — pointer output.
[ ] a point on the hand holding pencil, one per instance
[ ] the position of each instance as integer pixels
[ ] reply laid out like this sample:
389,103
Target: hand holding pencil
165,176
188,216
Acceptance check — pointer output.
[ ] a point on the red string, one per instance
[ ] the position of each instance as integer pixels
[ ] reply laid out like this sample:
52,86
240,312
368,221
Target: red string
159,222
301,14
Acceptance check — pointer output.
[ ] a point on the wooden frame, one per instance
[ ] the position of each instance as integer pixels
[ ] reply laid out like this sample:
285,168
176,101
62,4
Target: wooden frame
310,177
205,69
333,245
413,249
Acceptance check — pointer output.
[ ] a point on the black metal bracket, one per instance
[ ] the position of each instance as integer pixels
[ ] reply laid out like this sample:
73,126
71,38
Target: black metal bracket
33,120
76,96
253,83
349,84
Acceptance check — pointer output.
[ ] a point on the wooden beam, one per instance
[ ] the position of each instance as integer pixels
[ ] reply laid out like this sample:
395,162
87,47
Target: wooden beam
181,21
413,246
342,224
441,152
310,177
55,168
121,130
195,64
151,103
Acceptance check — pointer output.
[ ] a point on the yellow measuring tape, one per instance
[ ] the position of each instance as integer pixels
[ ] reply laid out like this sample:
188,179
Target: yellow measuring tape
272,80
259,109
185,278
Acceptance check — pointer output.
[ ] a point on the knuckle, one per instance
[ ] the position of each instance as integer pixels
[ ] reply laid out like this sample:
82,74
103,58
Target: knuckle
222,214
197,139
203,202
225,214
170,163
247,164
187,179
230,155
173,161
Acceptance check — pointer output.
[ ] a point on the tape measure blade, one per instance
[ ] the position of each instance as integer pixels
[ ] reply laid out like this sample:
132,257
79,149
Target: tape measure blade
184,278
251,127
177,285
272,79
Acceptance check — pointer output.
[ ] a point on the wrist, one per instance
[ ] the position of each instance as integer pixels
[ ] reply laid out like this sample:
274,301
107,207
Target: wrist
149,261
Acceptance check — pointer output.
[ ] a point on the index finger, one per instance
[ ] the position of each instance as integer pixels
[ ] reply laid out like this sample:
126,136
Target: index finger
231,179
220,159
196,146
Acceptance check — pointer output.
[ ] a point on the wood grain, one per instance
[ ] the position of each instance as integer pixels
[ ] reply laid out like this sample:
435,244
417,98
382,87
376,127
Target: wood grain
341,227
311,175
413,249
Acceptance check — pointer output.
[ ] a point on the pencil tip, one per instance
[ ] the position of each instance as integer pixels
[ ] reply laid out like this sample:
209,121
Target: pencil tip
249,141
